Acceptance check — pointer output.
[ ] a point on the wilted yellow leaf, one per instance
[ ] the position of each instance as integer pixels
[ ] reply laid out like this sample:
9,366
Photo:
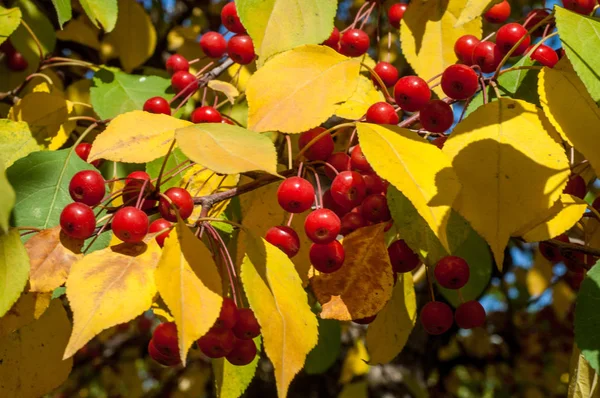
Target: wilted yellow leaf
365,95
583,380
226,88
300,89
189,283
347,294
472,10
539,276
31,357
418,169
356,363
200,181
80,30
136,137
571,109
14,269
109,287
510,169
275,294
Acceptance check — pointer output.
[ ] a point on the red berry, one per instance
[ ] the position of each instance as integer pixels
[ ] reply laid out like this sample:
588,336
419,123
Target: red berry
161,358
535,17
340,161
402,257
498,13
436,317
387,73
452,272
165,339
375,208
230,19
334,39
508,36
133,186
322,226
159,225
348,189
437,116
285,238
130,224
374,183
177,63
488,56
358,161
241,49
182,201
228,315
395,14
16,61
440,141
551,252
184,81
328,257
213,44
206,114
382,113
295,195
78,221
470,315
320,150
243,353
247,326
463,48
87,186
545,55
459,82
83,150
334,206
583,7
351,222
576,186
157,105
354,43
217,343
411,93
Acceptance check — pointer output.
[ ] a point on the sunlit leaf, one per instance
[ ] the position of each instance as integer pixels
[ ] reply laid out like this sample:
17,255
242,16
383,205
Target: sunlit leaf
473,9
365,95
232,381
226,88
356,362
14,269
16,141
10,19
7,200
103,13
63,11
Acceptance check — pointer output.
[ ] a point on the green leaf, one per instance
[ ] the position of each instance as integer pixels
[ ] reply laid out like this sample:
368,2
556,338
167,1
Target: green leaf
16,141
39,23
101,12
101,243
58,292
10,19
587,318
41,182
14,269
113,92
7,200
325,353
580,37
63,10
176,158
231,381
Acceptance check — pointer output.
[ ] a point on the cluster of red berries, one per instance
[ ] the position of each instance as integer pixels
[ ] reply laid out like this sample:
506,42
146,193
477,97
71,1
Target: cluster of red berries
14,59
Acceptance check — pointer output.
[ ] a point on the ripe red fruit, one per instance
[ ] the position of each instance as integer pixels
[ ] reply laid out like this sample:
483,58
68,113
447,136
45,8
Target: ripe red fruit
230,19
487,55
322,226
387,73
16,61
395,14
229,314
374,183
358,161
351,222
545,55
375,208
295,195
508,35
157,105
334,39
241,49
244,352
535,17
340,161
551,252
285,238
463,48
334,206
320,150
217,343
327,258
459,82
411,93
402,257
130,224
206,114
165,339
576,186
87,186
382,113
182,200
133,185
354,43
498,13
348,189
452,272
247,326
184,81
213,44
159,225
436,317
470,315
161,358
83,150
437,116
177,63
583,7
77,220
440,141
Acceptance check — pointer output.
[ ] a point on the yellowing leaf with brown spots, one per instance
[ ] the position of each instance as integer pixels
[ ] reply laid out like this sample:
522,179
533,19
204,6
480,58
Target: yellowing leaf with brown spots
136,137
109,287
31,357
190,285
51,254
200,181
365,95
275,294
363,285
510,169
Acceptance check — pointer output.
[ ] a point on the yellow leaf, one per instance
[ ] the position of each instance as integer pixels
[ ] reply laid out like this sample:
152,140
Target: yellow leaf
275,294
539,276
136,137
16,142
571,109
81,31
510,169
31,357
20,314
189,283
227,149
300,89
388,333
359,389
347,294
199,181
472,10
109,287
14,269
356,363
562,299
80,92
226,88
161,312
428,35
240,75
42,302
365,95
583,380
418,169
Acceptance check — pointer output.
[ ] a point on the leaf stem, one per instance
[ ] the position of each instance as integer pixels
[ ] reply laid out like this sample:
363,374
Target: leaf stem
35,39
323,134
